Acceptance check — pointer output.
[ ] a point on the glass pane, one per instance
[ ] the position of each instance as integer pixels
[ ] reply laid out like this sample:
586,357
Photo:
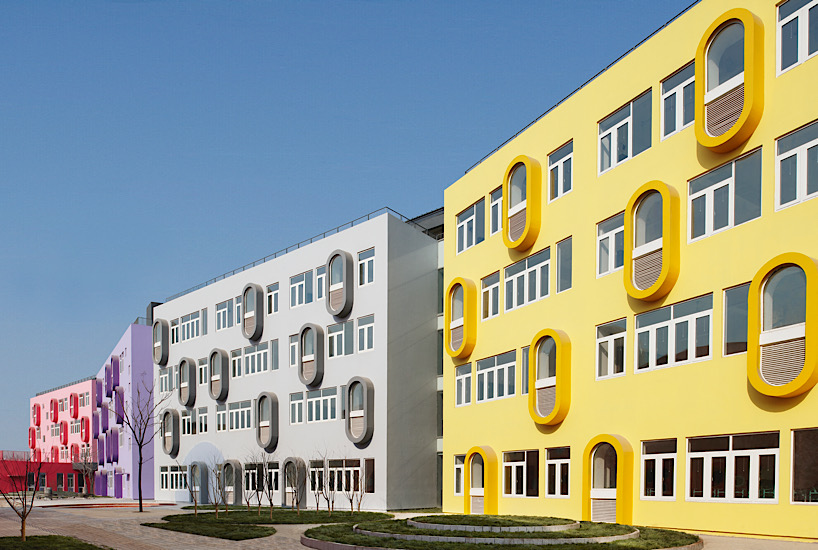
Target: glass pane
546,359
695,305
642,122
643,343
812,164
670,114
602,360
619,356
457,303
520,290
555,187
725,56
517,185
813,31
789,44
649,219
561,153
611,224
604,258
785,298
604,467
615,118
797,138
605,153
699,222
566,176
748,188
619,249
509,294
804,470
710,178
490,385
741,477
681,341
766,476
718,476
532,286
788,179
563,479
697,477
650,477
564,259
678,78
721,205
479,227
622,143
735,319
507,480
702,336
552,479
688,111
614,327
661,346
769,440
501,385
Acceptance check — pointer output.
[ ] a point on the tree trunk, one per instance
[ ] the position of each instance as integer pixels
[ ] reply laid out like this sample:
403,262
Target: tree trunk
23,530
139,478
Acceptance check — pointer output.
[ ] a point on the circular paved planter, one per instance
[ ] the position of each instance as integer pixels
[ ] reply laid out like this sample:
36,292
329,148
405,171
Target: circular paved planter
492,540
492,528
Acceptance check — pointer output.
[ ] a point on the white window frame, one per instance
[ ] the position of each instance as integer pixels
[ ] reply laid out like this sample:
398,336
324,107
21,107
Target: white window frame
523,277
509,492
188,423
559,166
256,359
611,238
298,290
297,408
678,97
613,132
802,14
203,369
366,267
792,471
201,420
492,373
235,363
690,319
496,211
800,154
164,380
366,333
221,418
237,302
561,247
190,326
320,402
240,415
272,298
729,482
462,381
336,335
293,347
611,341
320,282
174,331
658,473
557,464
491,296
467,222
224,319
459,474
163,478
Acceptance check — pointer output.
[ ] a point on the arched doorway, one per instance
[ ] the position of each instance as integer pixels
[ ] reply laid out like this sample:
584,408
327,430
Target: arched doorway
477,484
481,481
603,483
607,480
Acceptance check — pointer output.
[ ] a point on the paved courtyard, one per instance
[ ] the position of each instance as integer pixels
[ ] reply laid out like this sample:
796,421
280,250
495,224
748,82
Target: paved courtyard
120,528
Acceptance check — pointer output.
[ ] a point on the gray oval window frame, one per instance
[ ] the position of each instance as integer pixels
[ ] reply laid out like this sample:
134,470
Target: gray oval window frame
318,349
258,312
369,408
164,343
187,398
271,442
347,291
224,374
173,451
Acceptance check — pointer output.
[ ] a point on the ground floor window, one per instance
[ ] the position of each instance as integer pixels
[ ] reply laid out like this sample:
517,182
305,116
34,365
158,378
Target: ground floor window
805,465
521,473
658,469
459,460
557,464
177,477
733,468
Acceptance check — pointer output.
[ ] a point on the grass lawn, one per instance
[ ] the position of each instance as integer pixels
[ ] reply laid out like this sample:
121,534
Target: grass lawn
207,525
45,543
283,516
493,521
587,529
650,539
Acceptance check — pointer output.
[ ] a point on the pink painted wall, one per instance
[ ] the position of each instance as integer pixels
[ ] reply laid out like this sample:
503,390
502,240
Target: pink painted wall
44,441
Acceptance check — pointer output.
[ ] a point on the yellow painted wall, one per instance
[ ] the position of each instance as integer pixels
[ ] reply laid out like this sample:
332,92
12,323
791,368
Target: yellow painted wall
712,397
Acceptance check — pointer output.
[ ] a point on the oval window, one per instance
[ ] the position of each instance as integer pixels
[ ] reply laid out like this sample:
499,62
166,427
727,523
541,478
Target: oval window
336,273
785,298
517,189
725,56
648,220
477,474
546,361
307,345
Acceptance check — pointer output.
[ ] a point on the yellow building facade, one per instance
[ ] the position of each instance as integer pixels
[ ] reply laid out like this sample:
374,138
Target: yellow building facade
632,290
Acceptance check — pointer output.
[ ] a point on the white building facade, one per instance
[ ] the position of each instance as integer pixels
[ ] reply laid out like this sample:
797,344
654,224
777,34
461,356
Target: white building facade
320,364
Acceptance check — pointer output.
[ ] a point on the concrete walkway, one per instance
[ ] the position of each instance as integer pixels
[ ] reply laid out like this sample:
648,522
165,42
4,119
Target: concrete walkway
120,528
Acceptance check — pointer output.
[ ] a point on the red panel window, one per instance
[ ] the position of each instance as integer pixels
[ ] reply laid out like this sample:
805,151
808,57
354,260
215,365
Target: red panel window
32,437
63,433
37,455
55,409
74,405
84,429
35,414
55,454
75,452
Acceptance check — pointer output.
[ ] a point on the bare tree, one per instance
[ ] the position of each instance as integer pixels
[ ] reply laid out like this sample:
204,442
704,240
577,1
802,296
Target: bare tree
190,485
19,468
86,465
249,489
317,480
291,480
270,477
215,481
138,416
352,481
333,482
257,460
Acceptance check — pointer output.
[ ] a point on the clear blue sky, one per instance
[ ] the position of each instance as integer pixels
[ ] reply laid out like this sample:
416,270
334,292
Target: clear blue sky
141,142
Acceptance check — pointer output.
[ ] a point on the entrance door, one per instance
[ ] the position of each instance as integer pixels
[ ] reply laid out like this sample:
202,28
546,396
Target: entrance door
229,483
603,488
290,483
477,484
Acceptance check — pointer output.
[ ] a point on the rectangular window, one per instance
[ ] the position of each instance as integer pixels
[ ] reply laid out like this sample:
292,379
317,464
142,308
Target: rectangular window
496,211
725,197
221,418
301,289
369,475
559,168
797,32
240,415
557,465
274,354
625,133
235,363
796,164
188,423
678,92
163,477
340,339
256,358
659,469
237,301
296,408
459,466
471,226
203,371
610,244
366,267
174,331
491,295
293,350
272,298
366,333
322,405
201,417
524,370
735,319
495,377
164,380
521,473
564,268
462,382
527,280
224,315
610,345
733,468
805,465
272,475
674,335
320,282
190,326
